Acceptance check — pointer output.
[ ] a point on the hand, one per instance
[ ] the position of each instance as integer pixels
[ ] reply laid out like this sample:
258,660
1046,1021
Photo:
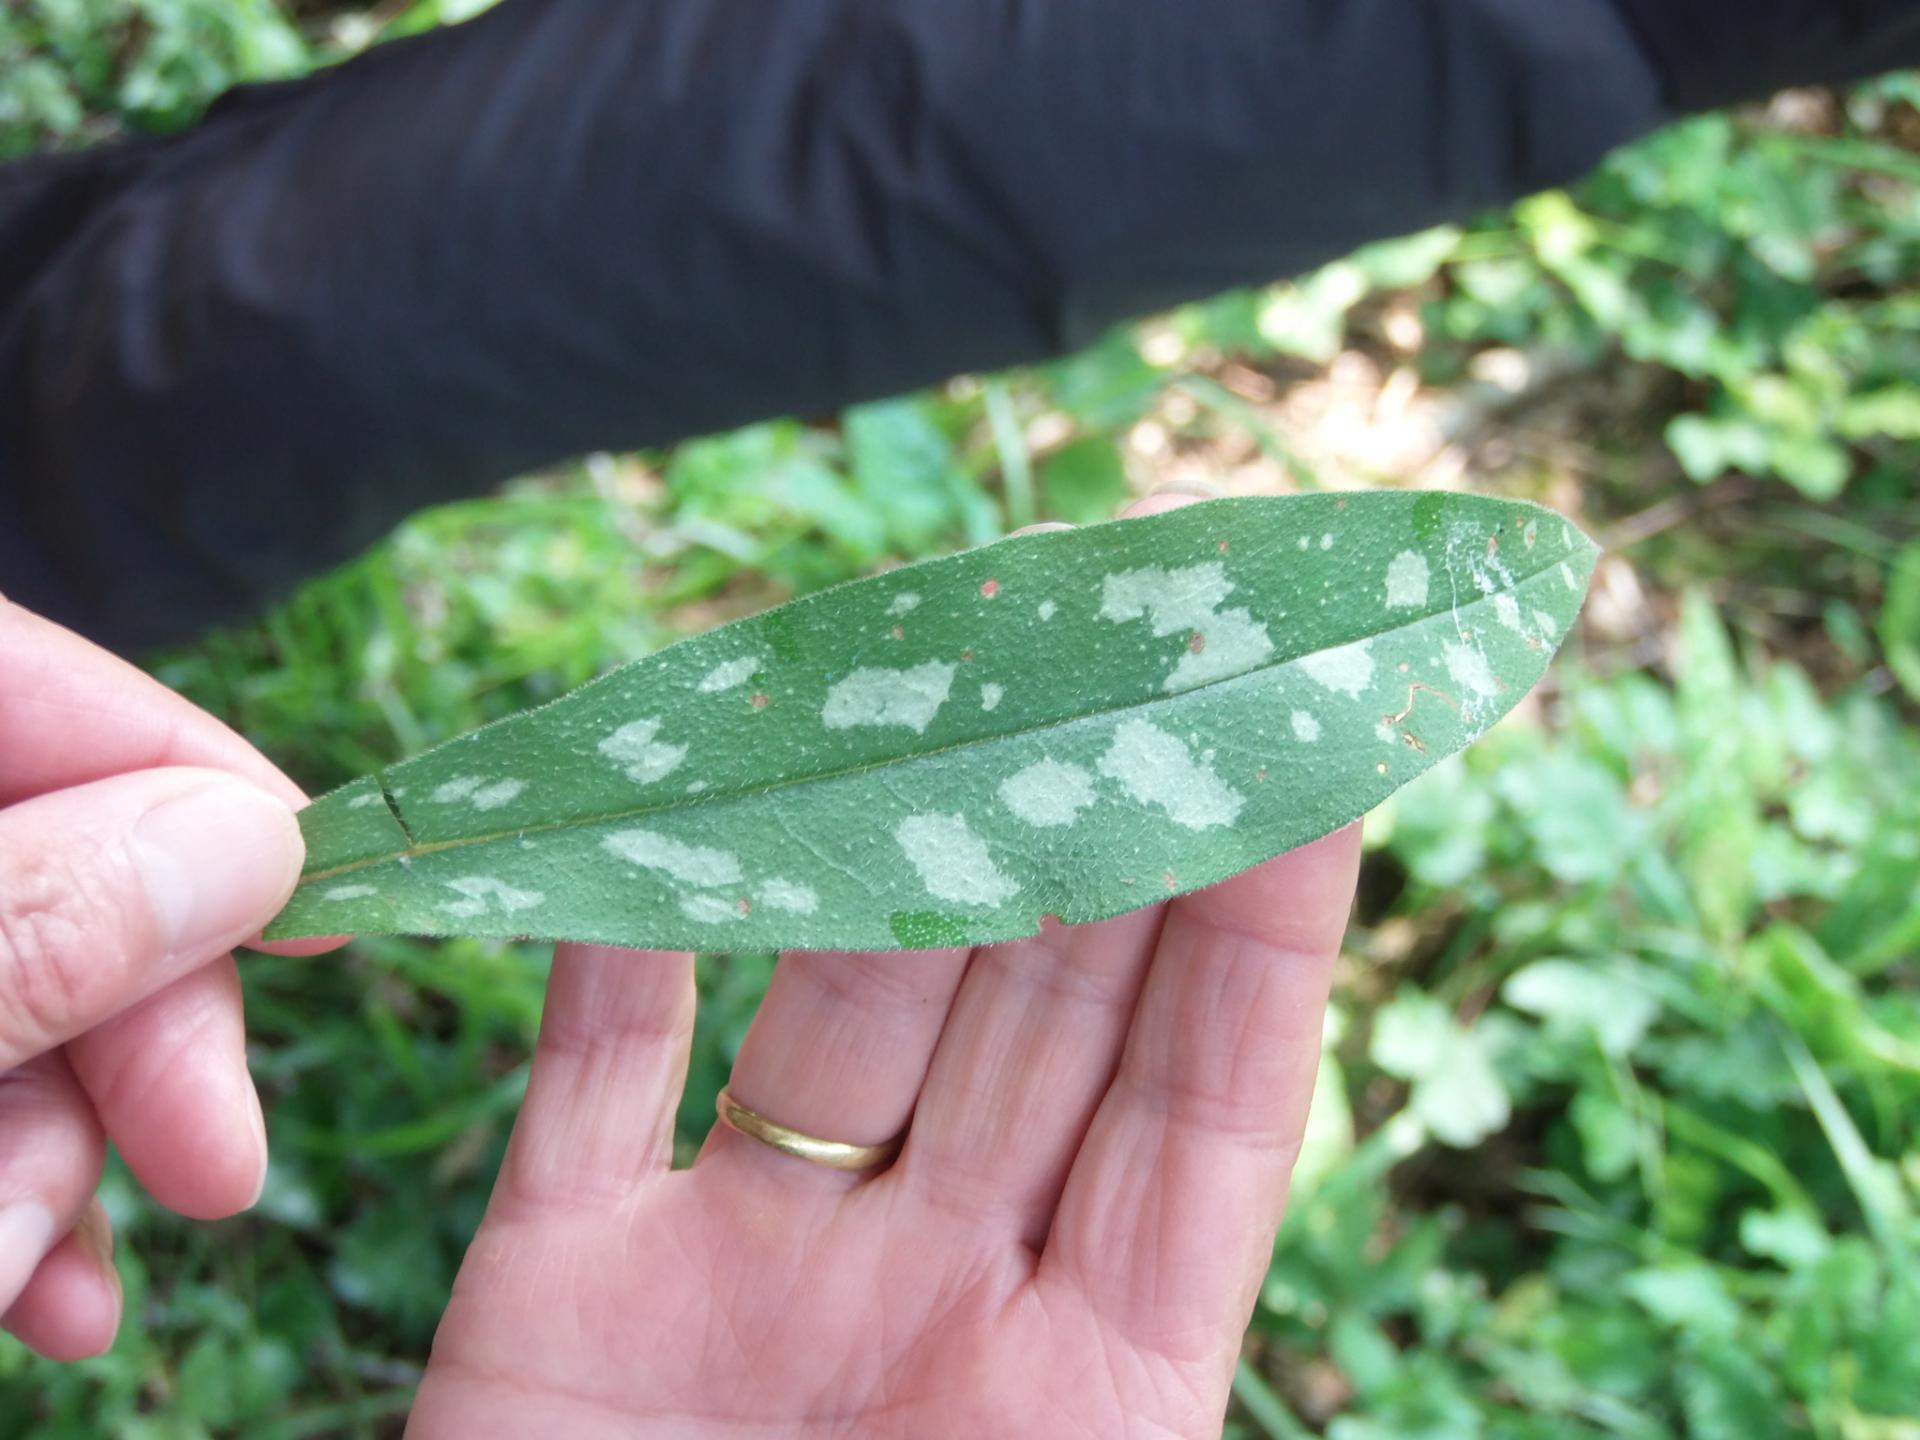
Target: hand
140,841
1104,1119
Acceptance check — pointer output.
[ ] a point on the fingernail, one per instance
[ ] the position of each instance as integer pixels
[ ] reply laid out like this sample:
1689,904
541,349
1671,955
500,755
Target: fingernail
260,1133
26,1234
95,1234
1194,486
219,862
95,1231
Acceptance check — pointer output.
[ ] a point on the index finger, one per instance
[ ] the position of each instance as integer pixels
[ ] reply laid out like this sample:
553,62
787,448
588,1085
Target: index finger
70,713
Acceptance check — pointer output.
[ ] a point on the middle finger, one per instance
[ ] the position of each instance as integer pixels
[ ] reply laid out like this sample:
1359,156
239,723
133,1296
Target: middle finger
1032,1044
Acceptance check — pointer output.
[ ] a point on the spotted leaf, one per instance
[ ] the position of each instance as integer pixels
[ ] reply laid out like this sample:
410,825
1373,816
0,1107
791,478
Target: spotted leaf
1074,724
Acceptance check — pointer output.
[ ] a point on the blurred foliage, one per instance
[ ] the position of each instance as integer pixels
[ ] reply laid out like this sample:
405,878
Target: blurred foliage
1616,1132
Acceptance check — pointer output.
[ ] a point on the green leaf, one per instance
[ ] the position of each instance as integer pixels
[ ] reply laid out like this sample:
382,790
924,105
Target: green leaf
1717,797
1900,621
1610,1138
1085,480
1309,318
1457,1094
1793,1238
904,467
1689,1296
1075,723
1575,998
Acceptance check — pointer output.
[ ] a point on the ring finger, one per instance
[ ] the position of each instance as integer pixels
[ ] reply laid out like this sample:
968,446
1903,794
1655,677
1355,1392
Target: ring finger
840,1049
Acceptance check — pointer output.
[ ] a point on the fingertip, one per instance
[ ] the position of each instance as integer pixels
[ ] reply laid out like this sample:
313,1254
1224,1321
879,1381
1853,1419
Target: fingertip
304,949
71,1309
169,1081
218,856
1174,495
1300,901
216,1166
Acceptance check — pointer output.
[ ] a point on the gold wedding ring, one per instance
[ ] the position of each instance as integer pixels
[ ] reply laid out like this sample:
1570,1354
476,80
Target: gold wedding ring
834,1154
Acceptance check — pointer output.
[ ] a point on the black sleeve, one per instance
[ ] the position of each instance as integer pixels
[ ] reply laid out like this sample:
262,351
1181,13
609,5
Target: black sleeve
230,358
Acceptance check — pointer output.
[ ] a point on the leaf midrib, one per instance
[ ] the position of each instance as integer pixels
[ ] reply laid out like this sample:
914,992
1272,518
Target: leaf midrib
696,802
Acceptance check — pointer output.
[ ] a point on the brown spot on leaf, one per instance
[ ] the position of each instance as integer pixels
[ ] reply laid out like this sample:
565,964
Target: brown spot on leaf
990,589
759,701
1414,691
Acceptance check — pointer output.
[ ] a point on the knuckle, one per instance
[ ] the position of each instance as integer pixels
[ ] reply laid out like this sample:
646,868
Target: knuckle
61,950
47,1131
864,983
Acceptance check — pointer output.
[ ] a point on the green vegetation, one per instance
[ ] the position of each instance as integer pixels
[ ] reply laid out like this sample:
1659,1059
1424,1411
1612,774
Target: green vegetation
1619,1132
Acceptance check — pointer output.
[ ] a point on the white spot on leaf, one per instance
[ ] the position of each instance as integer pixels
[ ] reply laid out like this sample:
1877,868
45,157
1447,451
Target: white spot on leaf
991,695
788,895
637,749
363,802
1221,643
1348,669
1407,580
350,892
905,601
1306,729
729,676
1048,609
481,894
709,909
1545,623
1470,670
1048,793
1566,574
953,862
501,792
1507,610
690,864
479,794
1326,542
876,697
1155,768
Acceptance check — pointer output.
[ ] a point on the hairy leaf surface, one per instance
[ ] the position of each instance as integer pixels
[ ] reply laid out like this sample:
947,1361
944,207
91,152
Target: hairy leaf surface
1075,724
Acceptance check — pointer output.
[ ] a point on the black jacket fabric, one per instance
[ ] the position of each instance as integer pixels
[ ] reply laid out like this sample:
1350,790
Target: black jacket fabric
232,357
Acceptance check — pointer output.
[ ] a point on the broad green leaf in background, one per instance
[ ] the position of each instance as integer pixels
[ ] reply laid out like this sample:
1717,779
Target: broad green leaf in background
1457,1094
1900,620
1072,724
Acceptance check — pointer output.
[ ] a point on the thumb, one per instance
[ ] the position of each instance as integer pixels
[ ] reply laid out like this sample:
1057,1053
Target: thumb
112,890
